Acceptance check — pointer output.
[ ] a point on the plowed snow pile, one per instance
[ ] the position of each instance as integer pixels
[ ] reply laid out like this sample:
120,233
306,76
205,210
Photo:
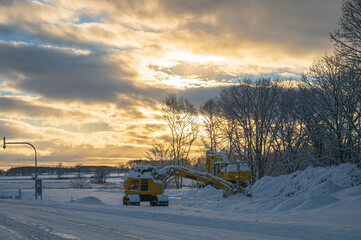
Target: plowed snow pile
311,182
89,200
332,189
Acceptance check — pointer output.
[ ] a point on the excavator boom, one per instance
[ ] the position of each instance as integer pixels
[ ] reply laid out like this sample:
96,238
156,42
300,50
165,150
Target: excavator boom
203,177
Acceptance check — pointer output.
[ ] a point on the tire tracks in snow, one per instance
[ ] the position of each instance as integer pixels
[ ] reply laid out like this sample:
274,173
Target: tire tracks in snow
14,226
39,220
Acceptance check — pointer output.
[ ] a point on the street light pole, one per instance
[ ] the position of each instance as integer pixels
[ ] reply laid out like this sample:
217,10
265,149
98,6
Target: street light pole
36,160
37,182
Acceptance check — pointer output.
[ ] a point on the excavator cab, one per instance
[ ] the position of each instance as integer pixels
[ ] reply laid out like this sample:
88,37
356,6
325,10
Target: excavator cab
219,165
134,184
217,169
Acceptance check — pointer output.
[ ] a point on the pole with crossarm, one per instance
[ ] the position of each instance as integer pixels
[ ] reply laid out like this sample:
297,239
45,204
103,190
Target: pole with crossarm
36,160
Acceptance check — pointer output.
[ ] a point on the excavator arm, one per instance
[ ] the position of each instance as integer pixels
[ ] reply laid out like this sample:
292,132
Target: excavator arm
203,177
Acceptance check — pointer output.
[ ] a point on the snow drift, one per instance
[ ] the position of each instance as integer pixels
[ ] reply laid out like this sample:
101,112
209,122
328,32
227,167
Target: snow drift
89,200
333,189
313,181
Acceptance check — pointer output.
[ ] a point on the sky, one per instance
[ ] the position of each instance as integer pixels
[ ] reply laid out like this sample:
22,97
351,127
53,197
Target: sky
83,80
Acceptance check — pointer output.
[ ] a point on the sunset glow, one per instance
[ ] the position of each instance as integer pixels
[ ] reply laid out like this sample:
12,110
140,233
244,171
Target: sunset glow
83,80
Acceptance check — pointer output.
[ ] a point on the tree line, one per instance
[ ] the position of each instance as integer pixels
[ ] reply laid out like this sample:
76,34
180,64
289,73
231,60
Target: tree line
277,128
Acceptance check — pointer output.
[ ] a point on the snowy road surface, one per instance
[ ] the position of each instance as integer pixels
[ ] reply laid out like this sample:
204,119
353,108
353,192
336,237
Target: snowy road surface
51,220
318,203
19,220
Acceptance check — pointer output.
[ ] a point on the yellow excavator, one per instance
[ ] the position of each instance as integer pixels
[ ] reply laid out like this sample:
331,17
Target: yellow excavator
218,164
145,183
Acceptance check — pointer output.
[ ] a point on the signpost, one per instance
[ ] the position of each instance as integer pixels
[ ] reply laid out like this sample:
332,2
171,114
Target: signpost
36,166
38,189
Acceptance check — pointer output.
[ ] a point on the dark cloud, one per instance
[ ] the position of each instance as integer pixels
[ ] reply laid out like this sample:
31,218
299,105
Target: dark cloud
62,75
12,130
289,24
145,96
9,2
6,30
198,96
145,132
294,26
21,108
57,74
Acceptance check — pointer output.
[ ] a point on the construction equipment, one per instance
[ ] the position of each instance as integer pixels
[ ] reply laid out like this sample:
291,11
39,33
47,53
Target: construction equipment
145,183
204,177
218,164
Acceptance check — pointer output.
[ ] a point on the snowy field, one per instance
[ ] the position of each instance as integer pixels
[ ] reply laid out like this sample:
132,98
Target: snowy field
319,203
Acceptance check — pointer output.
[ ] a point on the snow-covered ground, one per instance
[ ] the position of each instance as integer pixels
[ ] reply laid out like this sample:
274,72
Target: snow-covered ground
318,203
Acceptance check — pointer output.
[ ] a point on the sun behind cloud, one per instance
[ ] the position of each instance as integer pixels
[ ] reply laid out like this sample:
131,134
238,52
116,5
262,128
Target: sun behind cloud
83,80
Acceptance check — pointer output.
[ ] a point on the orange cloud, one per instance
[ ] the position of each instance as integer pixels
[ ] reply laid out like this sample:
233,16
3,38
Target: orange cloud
83,79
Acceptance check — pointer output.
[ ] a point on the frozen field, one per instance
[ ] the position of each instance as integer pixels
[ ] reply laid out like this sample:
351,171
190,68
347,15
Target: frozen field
319,203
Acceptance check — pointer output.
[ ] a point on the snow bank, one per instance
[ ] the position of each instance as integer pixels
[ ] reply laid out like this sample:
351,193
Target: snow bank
89,200
8,194
311,182
208,193
332,189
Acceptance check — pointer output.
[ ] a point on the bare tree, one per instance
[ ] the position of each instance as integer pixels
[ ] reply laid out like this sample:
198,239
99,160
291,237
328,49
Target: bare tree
79,181
181,117
159,153
313,124
59,169
211,123
347,41
120,168
228,130
133,163
199,164
289,132
100,174
348,38
78,167
335,90
251,104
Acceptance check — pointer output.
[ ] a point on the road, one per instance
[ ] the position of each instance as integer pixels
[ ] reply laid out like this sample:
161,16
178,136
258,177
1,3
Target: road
42,220
51,220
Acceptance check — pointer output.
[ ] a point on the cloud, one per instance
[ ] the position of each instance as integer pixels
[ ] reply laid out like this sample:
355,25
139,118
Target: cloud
57,74
25,108
198,96
291,24
257,37
225,27
89,147
84,79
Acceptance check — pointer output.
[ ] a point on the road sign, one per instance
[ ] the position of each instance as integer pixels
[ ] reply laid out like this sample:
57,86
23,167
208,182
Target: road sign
38,189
